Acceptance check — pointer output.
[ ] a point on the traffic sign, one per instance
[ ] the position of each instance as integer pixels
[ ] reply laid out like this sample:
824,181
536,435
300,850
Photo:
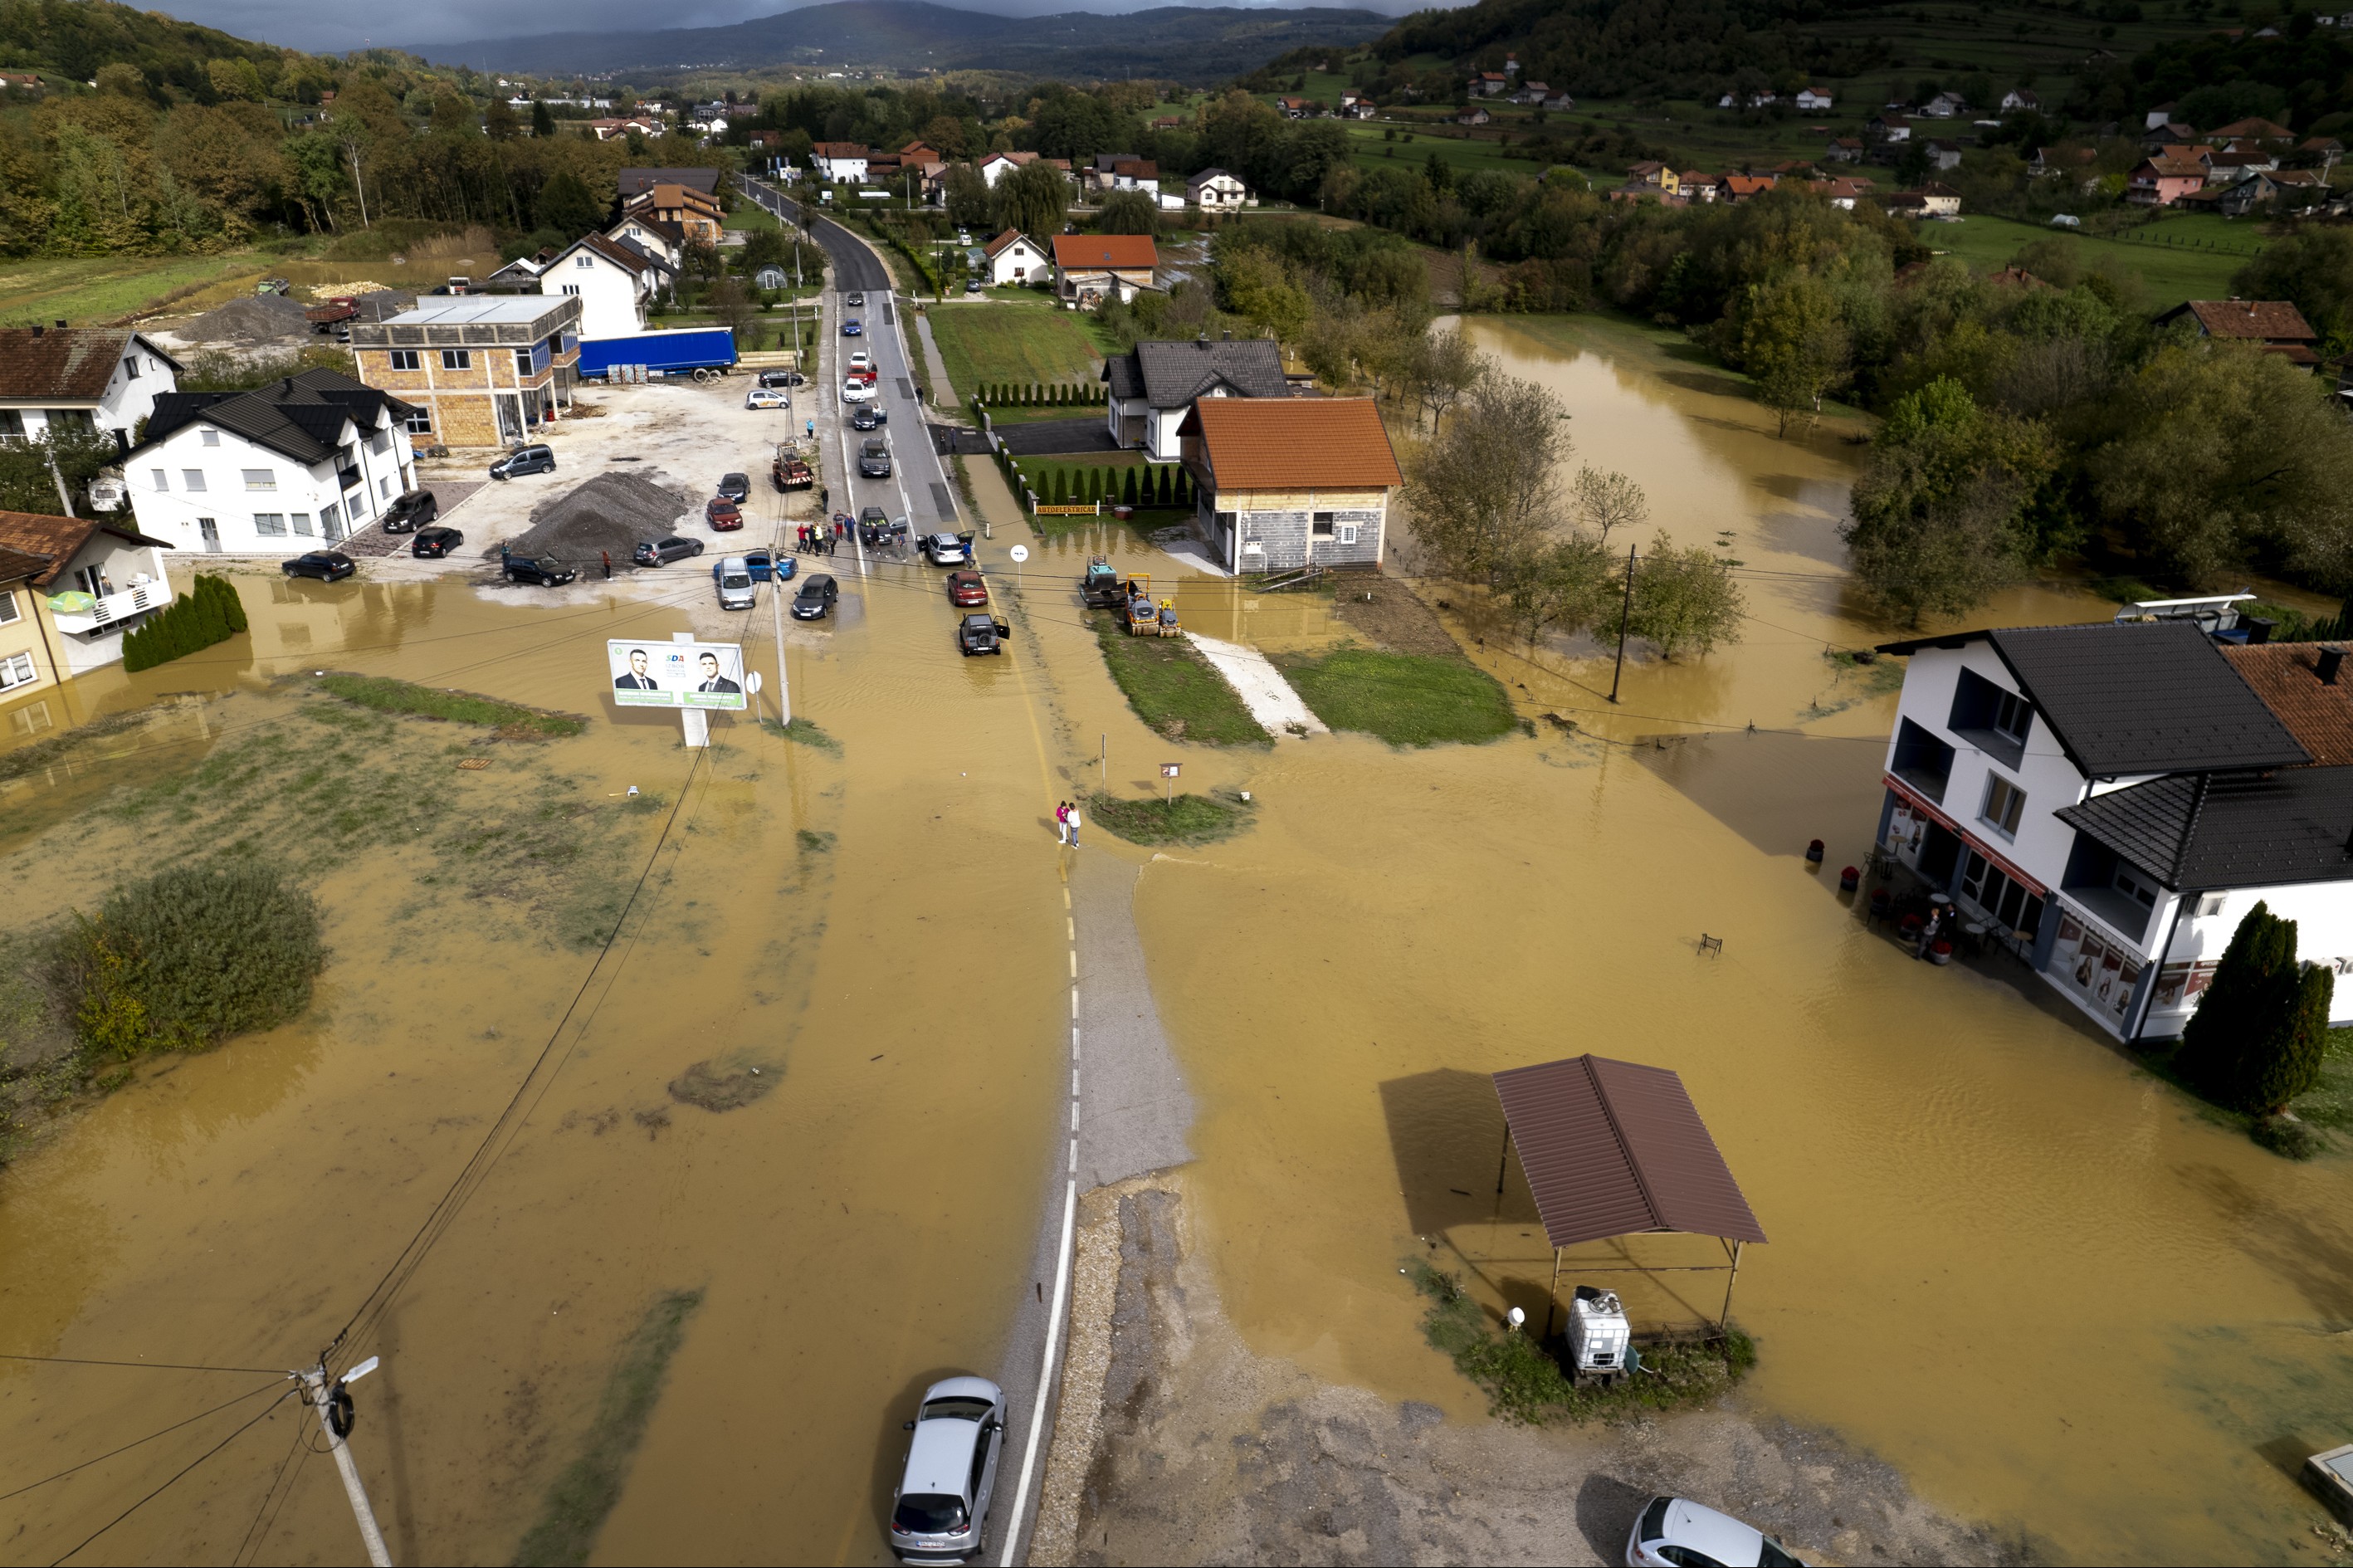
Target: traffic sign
1020,552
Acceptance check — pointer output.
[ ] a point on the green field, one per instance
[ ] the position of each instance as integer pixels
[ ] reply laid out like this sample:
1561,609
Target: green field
1013,343
749,215
2172,273
87,289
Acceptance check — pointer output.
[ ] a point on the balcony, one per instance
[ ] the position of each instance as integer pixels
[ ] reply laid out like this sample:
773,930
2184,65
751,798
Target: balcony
114,609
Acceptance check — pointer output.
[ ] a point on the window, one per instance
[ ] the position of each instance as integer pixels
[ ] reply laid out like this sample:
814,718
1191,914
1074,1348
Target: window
302,524
326,516
522,362
2210,904
130,368
12,425
456,359
270,524
583,259
573,289
1348,532
379,439
2135,887
405,359
1322,524
207,436
383,487
16,670
2003,804
2012,715
193,481
259,479
9,610
418,423
162,479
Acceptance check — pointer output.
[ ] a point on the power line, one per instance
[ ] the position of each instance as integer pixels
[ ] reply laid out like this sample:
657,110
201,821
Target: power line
175,1426
296,1451
183,1471
159,1366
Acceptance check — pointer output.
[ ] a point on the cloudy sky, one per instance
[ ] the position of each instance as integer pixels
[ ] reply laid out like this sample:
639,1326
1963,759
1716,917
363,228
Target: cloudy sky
306,25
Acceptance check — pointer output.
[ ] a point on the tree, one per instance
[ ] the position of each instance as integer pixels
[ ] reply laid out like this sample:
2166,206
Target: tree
762,247
1128,212
1032,199
731,303
1559,584
1442,368
1485,492
1601,501
968,196
1685,599
1794,345
499,122
543,120
2312,269
1255,283
565,206
2256,1040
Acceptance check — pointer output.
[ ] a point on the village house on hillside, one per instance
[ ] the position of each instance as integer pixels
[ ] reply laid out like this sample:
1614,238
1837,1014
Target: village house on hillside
1288,483
1013,259
841,163
1153,385
87,378
45,558
2275,324
699,217
1090,268
1215,190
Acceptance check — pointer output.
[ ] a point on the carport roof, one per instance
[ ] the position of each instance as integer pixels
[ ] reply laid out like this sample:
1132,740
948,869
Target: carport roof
1616,1149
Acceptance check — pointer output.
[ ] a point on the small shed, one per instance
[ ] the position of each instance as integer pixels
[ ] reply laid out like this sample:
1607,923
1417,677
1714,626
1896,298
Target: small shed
771,276
1616,1149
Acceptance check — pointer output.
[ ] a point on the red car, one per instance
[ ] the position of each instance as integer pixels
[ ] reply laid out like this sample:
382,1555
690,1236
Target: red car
723,515
966,589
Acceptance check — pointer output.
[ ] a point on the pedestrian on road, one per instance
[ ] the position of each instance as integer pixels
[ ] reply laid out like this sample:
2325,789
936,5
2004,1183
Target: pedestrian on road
607,557
1062,822
1071,823
824,499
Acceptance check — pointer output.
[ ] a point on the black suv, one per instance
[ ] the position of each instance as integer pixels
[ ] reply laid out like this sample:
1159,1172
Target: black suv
432,544
857,300
662,552
524,460
815,597
981,635
414,510
874,458
327,566
540,571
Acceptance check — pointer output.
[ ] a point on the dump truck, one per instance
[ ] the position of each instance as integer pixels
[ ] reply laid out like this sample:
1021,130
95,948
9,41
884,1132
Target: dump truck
334,312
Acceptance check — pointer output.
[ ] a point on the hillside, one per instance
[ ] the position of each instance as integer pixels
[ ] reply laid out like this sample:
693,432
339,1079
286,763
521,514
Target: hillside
1186,44
78,37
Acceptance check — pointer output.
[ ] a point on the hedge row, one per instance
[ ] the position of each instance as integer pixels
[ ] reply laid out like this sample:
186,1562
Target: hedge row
1043,394
210,612
1159,485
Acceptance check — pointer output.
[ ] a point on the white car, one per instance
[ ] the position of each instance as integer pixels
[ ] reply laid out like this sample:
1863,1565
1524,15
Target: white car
767,397
1674,1533
855,391
939,1512
860,363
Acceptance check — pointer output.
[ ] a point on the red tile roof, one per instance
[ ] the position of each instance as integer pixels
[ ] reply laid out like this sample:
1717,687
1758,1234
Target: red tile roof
1105,252
54,540
1296,443
2266,321
2286,676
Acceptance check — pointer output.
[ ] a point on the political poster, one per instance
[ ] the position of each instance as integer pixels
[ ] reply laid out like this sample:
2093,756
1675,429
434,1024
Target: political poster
676,674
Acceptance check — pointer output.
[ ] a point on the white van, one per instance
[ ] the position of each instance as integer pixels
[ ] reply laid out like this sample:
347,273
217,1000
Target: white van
735,577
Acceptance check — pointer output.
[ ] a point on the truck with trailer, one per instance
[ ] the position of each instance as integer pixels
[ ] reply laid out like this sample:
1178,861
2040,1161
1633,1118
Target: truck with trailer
704,353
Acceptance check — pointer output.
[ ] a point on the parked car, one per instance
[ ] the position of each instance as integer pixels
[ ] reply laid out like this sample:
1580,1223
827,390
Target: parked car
537,571
967,588
862,364
767,397
869,417
434,543
1673,1533
662,552
533,459
939,1509
815,597
874,458
735,487
723,515
857,302
855,391
327,566
852,328
947,550
764,567
964,236
734,576
783,378
972,285
981,635
413,510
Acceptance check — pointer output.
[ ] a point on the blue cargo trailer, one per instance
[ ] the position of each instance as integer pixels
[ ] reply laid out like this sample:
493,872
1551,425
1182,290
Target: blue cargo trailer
699,352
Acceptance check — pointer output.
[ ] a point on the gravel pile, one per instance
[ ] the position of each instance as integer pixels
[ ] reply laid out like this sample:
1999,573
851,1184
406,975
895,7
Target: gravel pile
261,319
610,512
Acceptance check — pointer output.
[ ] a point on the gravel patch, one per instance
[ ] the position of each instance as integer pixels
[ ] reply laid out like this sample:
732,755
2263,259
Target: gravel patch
264,318
610,514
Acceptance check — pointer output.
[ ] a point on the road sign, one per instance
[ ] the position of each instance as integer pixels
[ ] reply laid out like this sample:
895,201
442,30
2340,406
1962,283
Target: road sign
676,674
1019,553
752,682
1170,769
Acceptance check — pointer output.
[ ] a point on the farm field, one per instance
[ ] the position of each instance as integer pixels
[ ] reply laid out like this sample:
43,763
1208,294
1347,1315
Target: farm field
2172,273
87,289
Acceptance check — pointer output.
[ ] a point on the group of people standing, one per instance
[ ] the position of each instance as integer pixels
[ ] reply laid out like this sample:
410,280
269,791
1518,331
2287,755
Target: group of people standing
1066,823
820,538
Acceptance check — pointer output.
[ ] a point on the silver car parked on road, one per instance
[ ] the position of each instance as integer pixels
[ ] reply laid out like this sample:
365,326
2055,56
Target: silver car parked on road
939,1512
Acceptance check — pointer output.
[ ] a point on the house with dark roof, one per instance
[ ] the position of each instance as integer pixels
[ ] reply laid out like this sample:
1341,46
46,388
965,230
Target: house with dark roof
2110,799
69,588
88,379
1153,385
1288,483
636,181
299,462
2274,325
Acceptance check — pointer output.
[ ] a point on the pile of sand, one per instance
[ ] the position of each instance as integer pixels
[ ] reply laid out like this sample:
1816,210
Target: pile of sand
263,318
608,514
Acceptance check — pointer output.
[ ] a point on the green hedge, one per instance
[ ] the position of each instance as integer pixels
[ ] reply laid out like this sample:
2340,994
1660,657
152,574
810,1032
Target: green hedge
1044,394
210,612
1140,484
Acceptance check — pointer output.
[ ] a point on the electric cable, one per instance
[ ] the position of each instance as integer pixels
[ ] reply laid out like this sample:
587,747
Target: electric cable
296,1451
110,1453
183,1471
159,1366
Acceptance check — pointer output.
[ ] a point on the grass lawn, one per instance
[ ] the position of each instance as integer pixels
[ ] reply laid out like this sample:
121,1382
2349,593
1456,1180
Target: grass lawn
751,215
1185,819
2183,270
387,696
1012,342
1415,143
84,289
1173,689
1406,699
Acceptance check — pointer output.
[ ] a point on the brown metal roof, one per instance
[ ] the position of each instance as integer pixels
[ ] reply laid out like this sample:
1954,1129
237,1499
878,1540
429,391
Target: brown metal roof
1615,1149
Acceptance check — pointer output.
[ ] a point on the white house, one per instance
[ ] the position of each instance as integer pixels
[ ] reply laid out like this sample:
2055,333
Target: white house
121,570
2111,799
841,163
1215,190
665,242
613,283
2020,98
1154,384
1945,105
302,462
103,379
1814,98
1014,260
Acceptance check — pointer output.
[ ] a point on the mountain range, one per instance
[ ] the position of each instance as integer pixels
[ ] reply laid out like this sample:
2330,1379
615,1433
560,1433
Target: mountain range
1193,44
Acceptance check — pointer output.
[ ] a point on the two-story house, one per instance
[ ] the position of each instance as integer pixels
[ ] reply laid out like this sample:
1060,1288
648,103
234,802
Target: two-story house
85,378
1093,267
701,218
615,283
92,581
636,181
666,242
1286,482
842,162
308,458
2162,181
1216,190
1154,384
1012,259
1648,175
2113,798
479,371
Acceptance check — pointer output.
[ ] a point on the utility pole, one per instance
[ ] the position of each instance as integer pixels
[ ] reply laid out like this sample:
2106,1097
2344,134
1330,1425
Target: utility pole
777,611
1625,612
329,1400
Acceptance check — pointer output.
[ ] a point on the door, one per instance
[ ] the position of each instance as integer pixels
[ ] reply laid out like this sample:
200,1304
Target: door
210,531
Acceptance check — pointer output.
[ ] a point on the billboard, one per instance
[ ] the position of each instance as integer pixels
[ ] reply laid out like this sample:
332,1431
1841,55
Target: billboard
676,674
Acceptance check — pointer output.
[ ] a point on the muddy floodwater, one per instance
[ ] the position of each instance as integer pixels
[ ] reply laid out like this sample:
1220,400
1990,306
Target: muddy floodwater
2030,1277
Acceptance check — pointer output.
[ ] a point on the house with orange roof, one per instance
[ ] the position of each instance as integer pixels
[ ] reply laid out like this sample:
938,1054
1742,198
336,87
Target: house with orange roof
2161,182
1746,187
2276,326
1090,268
1290,483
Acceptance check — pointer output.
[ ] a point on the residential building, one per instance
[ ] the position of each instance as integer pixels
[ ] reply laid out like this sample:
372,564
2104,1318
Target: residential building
1013,259
522,274
2274,325
1888,130
1474,115
1290,483
2159,115
1647,175
700,218
1295,108
1939,200
1840,193
2226,168
1092,267
2019,100
608,128
842,162
1558,102
2161,182
1215,190
2110,799
481,371
614,282
1813,100
1135,175
1353,106
1532,94
1945,106
1943,154
2167,140
1489,83
1843,149
84,378
2255,130
666,242
1154,384
306,459
1745,188
997,166
120,569
636,181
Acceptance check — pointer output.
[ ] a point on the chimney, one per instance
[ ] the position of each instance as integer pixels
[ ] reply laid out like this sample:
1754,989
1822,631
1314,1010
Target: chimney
38,329
2332,661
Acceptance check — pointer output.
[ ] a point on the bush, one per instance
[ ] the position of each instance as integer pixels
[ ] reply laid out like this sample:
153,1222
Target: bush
188,957
2257,1039
210,612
